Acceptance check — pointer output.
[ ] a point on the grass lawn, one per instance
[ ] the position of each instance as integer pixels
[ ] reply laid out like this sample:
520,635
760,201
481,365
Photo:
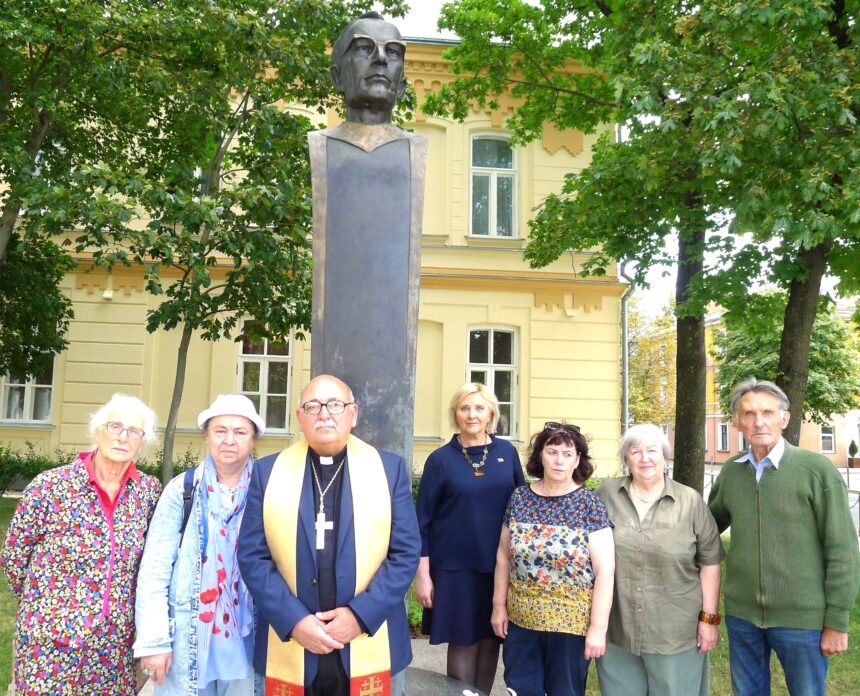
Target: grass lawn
842,678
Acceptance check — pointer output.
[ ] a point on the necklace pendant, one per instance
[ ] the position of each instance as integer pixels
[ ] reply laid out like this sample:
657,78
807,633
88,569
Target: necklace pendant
478,474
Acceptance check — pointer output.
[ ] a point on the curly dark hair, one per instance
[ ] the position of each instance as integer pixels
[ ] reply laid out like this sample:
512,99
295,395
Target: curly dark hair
564,435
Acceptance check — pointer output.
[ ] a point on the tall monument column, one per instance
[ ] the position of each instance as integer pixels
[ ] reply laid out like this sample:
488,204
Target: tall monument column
368,191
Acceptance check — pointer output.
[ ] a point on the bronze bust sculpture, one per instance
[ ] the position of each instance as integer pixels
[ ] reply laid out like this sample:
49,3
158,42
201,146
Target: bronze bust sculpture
368,191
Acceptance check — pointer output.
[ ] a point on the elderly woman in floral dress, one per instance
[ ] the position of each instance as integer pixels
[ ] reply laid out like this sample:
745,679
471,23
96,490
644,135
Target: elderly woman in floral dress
71,555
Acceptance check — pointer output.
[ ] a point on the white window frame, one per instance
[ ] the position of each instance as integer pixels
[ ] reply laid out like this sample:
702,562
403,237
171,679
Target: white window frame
490,369
828,435
30,387
264,360
722,437
493,173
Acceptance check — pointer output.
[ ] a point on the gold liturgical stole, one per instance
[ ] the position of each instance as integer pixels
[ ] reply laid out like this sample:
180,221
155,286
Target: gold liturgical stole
370,660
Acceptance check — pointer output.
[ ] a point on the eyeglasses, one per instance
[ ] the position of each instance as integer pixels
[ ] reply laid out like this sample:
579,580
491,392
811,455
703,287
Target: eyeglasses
116,428
334,406
568,427
368,46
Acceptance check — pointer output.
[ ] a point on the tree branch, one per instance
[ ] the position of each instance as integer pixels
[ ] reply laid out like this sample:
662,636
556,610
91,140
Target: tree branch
564,90
605,9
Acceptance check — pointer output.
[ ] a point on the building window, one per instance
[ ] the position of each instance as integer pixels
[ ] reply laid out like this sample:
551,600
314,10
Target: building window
743,446
493,187
492,362
724,438
828,439
28,400
265,374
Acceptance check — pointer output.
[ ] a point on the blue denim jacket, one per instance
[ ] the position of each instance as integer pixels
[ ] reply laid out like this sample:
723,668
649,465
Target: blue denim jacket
168,590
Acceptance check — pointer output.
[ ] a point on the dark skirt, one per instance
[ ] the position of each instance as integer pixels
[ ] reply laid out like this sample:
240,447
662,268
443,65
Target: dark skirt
462,606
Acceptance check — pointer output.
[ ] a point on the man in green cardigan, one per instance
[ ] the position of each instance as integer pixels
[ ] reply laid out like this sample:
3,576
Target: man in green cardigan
793,566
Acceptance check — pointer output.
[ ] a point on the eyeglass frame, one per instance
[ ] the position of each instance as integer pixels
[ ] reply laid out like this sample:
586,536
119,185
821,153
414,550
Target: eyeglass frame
326,405
377,44
568,427
132,432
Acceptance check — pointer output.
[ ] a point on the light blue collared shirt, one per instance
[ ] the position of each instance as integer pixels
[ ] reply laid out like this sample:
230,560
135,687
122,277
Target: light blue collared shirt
771,459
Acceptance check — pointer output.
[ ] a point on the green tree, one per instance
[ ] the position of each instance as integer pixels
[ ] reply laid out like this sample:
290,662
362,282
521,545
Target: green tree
223,181
703,90
652,351
34,313
76,84
748,346
789,149
185,160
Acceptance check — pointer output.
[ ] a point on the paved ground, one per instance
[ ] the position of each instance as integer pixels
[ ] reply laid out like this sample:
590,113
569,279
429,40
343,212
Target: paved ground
434,657
425,656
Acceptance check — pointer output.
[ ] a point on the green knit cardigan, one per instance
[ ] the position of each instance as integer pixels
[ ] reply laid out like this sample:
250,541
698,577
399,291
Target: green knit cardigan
793,561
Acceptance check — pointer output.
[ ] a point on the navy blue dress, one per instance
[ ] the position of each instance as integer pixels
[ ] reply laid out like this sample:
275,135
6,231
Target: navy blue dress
460,519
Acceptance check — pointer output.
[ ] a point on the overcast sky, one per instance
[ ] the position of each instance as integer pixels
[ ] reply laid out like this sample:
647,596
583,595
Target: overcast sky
421,21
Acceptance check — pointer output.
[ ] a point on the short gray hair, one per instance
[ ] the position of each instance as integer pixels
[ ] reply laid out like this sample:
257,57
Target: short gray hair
129,407
638,434
763,387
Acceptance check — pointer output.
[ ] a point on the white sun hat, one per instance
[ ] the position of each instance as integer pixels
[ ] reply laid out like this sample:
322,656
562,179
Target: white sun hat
232,405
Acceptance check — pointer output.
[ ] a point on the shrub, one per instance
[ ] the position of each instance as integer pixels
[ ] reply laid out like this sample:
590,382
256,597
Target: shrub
152,466
24,465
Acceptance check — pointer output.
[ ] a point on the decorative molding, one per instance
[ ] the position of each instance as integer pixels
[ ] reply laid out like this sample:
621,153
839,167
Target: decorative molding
550,289
100,282
554,139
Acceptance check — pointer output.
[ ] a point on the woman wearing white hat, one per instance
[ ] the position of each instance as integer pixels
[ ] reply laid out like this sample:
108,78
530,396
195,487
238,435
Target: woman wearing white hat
193,615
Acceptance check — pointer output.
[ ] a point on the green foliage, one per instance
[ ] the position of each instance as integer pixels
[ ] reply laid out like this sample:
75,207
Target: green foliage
34,313
734,112
414,611
17,464
152,464
749,347
169,113
852,449
652,355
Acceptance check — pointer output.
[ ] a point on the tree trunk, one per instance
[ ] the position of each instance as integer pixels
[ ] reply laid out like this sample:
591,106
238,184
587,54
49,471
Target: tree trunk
13,203
793,372
175,401
690,360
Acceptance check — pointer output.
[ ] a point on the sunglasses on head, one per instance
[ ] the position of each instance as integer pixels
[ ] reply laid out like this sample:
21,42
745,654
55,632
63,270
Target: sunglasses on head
569,427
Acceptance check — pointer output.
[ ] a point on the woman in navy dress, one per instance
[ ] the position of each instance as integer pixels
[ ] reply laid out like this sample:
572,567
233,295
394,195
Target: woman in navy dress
464,491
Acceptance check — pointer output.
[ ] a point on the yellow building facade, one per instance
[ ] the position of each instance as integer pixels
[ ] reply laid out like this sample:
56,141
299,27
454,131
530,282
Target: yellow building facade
546,340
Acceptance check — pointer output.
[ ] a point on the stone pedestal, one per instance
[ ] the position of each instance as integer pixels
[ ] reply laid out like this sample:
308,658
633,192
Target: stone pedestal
368,191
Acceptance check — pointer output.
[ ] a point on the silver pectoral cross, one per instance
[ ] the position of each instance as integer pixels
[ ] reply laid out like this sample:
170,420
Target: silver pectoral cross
321,527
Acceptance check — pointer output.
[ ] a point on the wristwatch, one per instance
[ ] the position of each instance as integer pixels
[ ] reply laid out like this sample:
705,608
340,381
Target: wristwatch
713,619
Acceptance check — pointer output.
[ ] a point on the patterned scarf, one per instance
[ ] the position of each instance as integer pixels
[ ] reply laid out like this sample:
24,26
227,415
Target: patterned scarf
226,611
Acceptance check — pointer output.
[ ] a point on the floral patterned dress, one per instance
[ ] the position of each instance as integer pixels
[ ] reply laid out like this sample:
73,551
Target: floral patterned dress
72,566
552,580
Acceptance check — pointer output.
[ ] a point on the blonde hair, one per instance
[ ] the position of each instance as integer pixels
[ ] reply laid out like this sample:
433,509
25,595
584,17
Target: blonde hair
467,390
129,407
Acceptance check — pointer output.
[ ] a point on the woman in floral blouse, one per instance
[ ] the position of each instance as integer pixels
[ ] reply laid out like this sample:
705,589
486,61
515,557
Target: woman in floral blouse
554,570
194,615
71,555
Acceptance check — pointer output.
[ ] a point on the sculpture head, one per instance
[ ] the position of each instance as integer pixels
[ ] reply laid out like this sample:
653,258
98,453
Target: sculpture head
367,68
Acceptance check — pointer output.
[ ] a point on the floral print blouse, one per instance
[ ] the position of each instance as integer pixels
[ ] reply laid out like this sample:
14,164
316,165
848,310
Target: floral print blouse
72,565
551,578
